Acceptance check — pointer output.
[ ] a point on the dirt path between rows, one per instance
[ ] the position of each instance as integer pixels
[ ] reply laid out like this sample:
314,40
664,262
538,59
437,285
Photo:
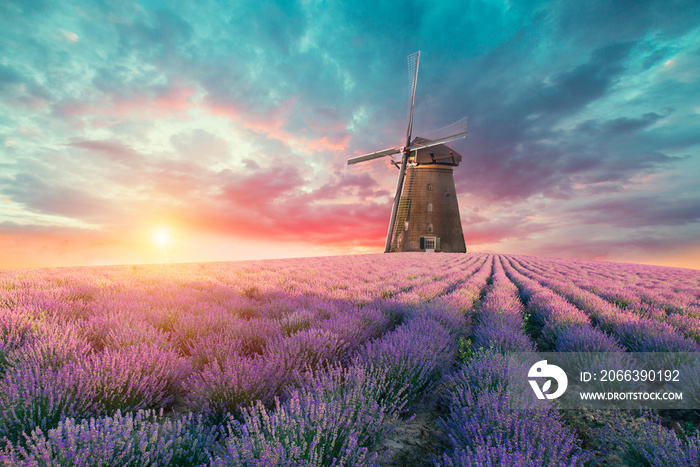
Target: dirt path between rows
417,441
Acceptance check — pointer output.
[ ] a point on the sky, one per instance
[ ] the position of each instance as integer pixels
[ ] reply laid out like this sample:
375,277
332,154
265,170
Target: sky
173,131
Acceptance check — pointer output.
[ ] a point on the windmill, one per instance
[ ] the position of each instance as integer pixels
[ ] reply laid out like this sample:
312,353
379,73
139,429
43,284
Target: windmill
425,214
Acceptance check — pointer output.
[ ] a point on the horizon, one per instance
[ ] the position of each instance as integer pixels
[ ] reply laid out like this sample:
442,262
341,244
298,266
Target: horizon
183,132
330,256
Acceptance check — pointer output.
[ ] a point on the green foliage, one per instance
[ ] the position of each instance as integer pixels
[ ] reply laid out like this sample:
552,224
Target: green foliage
621,302
251,292
386,294
687,430
466,350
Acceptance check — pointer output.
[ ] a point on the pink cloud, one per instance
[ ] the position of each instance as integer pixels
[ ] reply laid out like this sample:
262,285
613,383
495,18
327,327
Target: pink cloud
326,143
114,150
272,205
171,101
272,125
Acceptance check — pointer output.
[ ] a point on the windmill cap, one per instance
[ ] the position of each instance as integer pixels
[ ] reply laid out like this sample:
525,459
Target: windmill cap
439,154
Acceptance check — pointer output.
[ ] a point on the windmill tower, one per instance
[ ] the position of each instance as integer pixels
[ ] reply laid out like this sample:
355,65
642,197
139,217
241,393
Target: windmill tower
425,214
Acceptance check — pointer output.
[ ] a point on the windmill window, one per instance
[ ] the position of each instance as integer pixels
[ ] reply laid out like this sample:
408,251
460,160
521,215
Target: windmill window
405,225
429,243
430,207
430,187
430,228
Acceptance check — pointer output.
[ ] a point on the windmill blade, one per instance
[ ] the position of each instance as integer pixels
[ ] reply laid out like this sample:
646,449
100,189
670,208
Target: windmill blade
460,126
381,165
443,135
430,144
373,155
413,61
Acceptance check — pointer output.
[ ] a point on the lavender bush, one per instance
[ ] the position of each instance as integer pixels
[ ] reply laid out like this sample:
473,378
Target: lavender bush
487,426
415,355
226,386
16,330
644,442
129,379
144,438
33,396
302,432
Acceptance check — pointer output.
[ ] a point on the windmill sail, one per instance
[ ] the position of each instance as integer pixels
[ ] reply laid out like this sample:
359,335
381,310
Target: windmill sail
443,135
381,165
373,155
413,62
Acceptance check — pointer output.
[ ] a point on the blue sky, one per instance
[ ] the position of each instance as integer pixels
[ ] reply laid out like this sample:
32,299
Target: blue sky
227,124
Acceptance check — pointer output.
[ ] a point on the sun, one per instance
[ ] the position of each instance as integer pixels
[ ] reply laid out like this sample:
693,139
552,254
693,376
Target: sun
161,237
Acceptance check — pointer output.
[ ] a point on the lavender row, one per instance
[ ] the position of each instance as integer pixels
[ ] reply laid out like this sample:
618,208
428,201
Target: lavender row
130,440
57,402
634,332
662,299
125,377
564,328
500,317
333,420
82,292
638,274
485,426
324,399
55,373
342,413
672,281
643,441
166,312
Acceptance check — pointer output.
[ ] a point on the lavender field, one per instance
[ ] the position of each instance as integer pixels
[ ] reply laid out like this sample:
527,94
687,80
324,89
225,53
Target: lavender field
356,360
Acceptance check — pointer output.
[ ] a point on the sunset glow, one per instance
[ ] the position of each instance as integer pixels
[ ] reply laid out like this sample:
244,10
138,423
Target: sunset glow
215,132
161,237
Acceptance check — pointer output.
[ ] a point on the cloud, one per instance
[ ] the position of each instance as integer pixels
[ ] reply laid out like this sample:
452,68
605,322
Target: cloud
570,90
237,120
523,146
480,231
45,197
160,36
21,90
69,36
643,246
274,205
113,150
159,101
643,211
626,125
601,21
